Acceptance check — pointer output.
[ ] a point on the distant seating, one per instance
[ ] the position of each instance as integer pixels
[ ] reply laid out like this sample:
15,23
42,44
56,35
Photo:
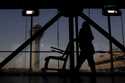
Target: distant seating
64,58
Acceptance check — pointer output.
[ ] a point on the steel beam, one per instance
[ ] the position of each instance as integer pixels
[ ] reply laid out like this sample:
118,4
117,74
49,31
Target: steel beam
103,32
76,35
71,39
28,41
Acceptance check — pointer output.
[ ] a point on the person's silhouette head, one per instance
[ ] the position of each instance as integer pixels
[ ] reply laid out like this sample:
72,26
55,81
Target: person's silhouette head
85,24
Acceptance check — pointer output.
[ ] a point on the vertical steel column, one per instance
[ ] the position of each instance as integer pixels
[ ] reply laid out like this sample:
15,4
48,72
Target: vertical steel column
71,39
77,35
110,42
31,43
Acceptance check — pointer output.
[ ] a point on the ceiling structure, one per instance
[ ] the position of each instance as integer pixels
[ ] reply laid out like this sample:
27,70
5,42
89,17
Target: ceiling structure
54,4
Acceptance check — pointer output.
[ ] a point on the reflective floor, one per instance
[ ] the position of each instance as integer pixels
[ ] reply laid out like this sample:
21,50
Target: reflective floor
60,79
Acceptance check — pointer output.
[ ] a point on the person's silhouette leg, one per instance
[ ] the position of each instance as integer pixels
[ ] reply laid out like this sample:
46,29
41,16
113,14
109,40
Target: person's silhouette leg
80,61
91,63
93,69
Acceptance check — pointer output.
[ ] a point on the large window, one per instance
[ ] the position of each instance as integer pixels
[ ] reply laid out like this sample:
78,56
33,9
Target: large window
15,30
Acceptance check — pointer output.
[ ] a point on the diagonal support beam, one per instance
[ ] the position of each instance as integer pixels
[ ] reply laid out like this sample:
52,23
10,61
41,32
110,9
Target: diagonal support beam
103,32
28,41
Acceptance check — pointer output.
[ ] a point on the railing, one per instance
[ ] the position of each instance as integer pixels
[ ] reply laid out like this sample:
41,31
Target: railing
102,59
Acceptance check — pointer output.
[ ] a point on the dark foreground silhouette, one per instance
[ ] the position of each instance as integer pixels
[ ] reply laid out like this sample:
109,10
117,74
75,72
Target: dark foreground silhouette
86,49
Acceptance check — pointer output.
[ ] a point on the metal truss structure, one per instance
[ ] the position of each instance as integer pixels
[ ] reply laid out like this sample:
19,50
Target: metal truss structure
70,14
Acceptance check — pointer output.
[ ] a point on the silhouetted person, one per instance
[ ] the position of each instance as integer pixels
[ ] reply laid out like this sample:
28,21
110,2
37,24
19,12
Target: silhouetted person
86,47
